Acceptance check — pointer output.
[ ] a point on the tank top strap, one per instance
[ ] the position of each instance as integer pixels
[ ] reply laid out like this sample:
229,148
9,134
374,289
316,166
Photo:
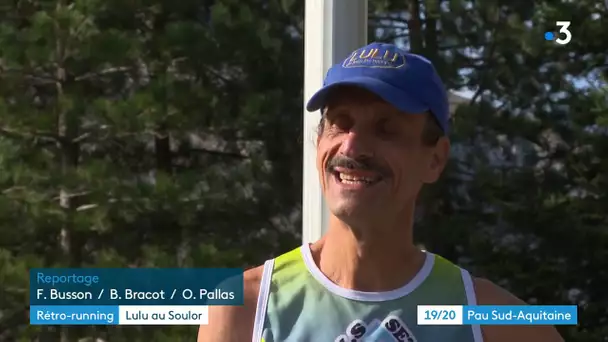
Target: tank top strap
260,311
281,262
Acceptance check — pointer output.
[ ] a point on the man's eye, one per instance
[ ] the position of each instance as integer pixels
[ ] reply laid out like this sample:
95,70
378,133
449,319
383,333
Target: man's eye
387,128
341,122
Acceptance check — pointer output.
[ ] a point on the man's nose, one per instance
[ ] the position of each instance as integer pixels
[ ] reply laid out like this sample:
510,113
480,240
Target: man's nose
356,144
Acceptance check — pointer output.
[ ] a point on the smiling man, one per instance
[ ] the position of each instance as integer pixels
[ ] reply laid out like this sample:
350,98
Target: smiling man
382,137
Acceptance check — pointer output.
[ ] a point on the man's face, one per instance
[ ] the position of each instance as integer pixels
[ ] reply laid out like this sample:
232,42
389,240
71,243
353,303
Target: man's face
371,158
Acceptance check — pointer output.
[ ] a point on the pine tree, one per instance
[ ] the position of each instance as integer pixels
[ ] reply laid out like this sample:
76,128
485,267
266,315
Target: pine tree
143,135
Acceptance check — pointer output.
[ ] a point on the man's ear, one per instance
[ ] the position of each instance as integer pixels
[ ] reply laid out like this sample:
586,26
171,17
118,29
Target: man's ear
321,127
440,155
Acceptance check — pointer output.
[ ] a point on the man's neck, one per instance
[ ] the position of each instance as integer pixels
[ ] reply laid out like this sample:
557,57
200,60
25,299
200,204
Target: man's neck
382,261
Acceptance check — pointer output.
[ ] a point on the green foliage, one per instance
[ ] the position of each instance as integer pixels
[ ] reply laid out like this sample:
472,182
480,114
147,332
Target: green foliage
130,135
523,201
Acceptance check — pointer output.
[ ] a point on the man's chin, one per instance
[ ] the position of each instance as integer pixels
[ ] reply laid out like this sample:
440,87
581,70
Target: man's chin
351,208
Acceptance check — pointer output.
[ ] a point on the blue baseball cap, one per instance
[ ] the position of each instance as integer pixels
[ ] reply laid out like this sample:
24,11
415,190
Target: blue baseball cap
407,81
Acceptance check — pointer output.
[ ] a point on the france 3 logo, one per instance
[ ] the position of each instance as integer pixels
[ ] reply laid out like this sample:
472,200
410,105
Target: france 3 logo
563,36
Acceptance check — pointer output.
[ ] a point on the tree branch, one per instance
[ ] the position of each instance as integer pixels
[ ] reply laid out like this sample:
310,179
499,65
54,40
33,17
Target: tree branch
40,78
105,72
218,153
44,136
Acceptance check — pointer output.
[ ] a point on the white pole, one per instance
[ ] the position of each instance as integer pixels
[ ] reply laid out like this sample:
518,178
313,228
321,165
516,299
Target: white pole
333,29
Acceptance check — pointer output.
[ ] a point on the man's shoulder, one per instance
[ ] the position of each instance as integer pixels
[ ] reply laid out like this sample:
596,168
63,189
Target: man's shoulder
251,280
251,287
234,323
488,293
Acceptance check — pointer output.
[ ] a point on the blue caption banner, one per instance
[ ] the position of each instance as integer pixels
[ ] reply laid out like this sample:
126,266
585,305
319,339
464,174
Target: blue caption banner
119,315
520,315
136,286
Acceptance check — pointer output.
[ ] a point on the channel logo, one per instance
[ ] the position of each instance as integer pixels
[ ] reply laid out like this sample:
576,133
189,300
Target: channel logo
563,36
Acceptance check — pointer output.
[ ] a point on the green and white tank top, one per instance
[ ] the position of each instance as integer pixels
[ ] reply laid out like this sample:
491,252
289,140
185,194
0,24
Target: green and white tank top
298,303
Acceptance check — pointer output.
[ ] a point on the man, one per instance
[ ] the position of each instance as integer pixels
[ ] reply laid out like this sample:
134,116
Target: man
382,136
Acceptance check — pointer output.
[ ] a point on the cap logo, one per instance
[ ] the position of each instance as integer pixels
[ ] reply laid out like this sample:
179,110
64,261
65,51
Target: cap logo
374,58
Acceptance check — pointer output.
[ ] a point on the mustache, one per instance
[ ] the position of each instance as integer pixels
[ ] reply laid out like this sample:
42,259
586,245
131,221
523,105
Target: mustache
365,164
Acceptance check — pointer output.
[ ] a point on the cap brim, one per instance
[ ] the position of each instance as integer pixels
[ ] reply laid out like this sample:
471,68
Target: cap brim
396,97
